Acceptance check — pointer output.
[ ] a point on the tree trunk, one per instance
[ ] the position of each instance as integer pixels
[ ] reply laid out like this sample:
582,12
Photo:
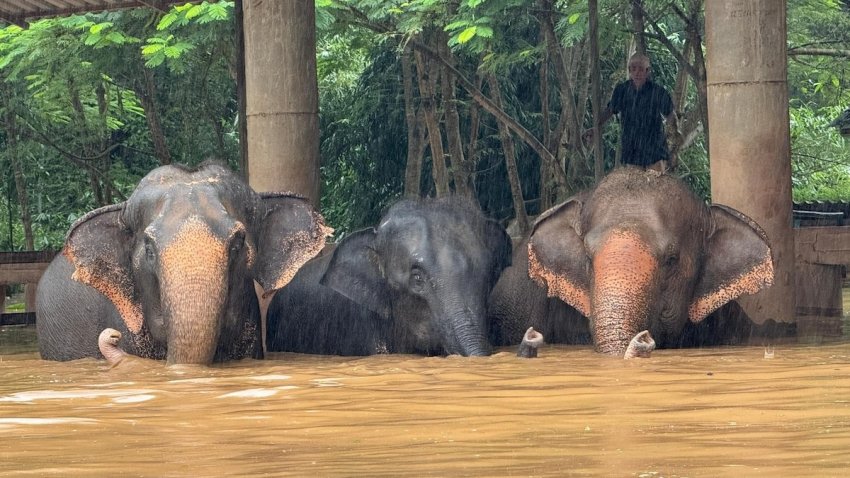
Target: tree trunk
94,174
426,93
461,172
545,170
240,88
103,161
596,96
638,26
18,173
474,123
415,137
147,97
491,107
568,116
700,78
510,161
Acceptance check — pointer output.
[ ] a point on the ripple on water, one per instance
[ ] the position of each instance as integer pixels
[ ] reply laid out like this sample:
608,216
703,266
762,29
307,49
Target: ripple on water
32,396
251,393
270,377
134,398
10,422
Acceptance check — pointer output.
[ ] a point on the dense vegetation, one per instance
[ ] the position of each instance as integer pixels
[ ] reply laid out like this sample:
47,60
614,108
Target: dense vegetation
89,104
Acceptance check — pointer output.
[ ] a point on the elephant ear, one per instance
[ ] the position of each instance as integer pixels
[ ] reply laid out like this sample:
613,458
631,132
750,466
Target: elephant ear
499,244
737,261
98,246
356,271
290,233
556,255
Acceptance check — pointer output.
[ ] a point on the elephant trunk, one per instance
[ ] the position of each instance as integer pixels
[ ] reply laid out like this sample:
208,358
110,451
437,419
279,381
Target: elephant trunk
474,344
107,342
641,346
623,273
464,331
194,288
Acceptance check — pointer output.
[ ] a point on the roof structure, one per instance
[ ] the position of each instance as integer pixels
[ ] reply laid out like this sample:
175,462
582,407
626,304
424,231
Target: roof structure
21,11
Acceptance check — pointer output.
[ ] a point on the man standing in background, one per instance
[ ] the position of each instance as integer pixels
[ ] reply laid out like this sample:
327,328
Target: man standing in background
642,104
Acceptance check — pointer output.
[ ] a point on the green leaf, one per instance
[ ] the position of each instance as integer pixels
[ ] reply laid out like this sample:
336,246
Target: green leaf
194,11
574,18
467,34
218,11
148,50
155,61
485,32
100,26
166,21
92,39
455,25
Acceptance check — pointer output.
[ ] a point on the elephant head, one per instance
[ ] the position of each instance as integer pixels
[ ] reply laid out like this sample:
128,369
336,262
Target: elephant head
641,251
179,257
428,267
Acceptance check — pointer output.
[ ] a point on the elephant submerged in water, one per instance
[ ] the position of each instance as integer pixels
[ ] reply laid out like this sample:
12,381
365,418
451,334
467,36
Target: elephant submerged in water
638,252
172,269
416,283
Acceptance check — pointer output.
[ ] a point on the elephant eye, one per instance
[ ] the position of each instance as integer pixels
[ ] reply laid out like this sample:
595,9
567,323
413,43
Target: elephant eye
671,260
237,243
417,280
150,252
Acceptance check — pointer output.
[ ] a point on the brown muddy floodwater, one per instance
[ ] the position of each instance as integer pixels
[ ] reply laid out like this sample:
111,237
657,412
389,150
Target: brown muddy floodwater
722,412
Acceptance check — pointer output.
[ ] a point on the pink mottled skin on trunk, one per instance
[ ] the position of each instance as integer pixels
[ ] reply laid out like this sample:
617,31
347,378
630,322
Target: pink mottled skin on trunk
193,282
623,271
107,342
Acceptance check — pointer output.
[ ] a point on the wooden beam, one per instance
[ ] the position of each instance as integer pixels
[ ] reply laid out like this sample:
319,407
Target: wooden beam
823,245
9,17
22,10
160,5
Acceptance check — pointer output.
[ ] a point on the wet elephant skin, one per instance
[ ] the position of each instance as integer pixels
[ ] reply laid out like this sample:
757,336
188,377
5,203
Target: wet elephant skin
638,252
172,269
416,283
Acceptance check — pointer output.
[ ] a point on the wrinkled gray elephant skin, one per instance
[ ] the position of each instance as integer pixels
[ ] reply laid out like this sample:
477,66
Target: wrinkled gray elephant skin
416,283
638,252
172,269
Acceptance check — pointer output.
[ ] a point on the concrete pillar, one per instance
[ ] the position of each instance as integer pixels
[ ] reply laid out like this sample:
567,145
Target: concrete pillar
282,98
749,145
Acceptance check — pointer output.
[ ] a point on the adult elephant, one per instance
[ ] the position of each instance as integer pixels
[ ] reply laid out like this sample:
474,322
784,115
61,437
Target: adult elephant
172,269
416,283
638,252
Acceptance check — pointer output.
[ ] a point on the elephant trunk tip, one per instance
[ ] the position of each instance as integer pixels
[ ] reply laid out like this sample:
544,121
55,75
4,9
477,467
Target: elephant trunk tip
107,342
641,346
530,342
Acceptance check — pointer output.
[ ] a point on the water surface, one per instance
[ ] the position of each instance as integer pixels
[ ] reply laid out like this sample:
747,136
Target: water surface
721,412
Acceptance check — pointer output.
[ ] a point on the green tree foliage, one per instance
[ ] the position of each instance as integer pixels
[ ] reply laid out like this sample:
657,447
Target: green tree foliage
84,90
75,87
819,84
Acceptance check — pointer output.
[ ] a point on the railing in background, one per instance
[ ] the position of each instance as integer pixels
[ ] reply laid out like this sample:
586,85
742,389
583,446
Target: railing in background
25,267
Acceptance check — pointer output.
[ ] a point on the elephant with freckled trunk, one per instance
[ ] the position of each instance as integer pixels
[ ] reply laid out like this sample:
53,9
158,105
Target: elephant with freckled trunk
416,283
638,252
172,269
